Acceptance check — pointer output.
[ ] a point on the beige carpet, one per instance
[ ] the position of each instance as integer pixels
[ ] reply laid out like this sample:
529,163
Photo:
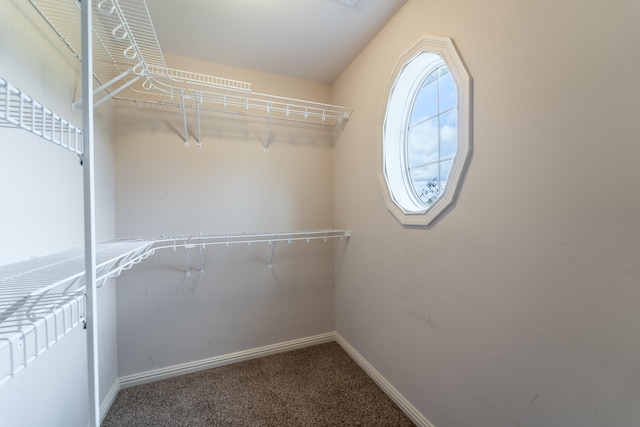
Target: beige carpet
315,386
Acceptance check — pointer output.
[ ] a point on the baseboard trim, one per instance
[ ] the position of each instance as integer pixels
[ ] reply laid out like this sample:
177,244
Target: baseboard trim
226,359
109,399
385,385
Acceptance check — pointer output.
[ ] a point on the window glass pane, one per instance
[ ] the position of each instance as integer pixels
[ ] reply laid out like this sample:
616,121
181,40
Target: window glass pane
426,183
448,134
448,91
422,143
426,103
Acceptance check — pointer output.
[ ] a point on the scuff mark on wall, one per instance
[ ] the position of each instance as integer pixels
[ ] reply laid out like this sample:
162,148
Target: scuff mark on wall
495,410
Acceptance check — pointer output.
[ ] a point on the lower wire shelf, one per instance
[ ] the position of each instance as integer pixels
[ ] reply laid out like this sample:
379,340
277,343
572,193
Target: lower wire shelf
31,325
42,299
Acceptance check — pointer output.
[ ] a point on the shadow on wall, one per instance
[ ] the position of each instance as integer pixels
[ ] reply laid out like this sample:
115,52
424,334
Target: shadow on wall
166,317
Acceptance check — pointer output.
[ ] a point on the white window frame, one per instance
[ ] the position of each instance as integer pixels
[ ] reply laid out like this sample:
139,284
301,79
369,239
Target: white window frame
400,198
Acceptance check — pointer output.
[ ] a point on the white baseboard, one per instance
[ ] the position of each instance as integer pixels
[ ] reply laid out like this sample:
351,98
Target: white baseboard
226,359
109,399
385,385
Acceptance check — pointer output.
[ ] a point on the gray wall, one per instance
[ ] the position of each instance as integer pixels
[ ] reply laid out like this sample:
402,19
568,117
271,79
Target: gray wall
519,306
41,200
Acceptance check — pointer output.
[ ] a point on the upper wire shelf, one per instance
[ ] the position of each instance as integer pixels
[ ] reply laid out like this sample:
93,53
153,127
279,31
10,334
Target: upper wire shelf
17,109
129,65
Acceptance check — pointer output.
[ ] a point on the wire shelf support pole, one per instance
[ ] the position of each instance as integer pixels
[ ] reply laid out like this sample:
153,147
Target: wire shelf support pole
89,213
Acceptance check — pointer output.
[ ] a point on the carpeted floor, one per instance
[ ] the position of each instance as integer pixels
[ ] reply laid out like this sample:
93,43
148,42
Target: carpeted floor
314,386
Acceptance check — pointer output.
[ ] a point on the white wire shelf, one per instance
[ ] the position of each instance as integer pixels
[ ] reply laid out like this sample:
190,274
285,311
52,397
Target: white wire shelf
19,110
255,237
200,241
181,77
42,299
129,65
31,325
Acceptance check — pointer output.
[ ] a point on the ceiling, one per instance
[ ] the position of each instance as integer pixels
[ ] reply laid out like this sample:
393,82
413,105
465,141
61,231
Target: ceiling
309,39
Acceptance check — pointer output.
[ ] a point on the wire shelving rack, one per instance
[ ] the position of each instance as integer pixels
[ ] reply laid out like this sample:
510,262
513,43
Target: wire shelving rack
129,66
45,298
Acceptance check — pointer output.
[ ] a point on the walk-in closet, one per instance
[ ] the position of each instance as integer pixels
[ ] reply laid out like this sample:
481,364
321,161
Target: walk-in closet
176,197
50,296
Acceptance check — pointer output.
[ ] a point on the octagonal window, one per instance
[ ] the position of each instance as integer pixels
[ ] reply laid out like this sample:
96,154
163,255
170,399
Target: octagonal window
425,132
